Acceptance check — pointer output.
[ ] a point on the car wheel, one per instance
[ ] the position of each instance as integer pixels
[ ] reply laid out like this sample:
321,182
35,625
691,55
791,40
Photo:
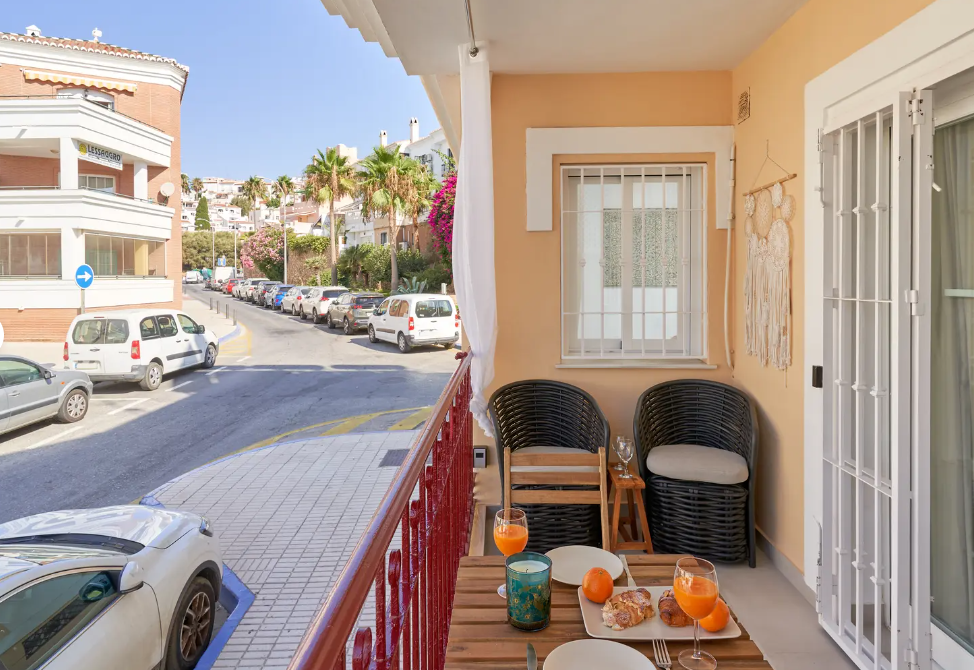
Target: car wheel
372,338
403,344
293,311
153,377
314,316
303,317
74,407
209,358
192,626
347,327
328,321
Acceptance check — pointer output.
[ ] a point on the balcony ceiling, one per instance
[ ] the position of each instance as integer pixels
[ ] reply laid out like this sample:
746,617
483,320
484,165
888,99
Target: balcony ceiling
560,36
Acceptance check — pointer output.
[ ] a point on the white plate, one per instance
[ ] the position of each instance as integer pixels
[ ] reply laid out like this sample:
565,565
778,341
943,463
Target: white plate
650,629
569,564
591,654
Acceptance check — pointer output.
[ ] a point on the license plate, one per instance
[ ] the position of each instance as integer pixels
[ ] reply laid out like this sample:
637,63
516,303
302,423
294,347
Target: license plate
85,365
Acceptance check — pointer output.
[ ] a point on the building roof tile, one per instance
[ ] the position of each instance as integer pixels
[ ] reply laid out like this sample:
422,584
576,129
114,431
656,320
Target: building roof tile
92,47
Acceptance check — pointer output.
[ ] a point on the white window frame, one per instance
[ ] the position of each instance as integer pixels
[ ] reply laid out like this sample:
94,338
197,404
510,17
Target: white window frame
98,176
688,315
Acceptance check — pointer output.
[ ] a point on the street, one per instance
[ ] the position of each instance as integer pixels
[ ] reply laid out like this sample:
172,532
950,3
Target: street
283,375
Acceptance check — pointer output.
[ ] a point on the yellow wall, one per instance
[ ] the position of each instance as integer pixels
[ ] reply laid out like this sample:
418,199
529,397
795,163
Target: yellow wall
528,264
820,35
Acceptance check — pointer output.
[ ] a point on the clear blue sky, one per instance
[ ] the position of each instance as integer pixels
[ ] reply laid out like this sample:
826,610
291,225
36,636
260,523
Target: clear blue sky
269,82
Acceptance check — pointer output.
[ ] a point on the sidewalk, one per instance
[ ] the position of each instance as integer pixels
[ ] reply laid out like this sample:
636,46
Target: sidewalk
288,517
50,353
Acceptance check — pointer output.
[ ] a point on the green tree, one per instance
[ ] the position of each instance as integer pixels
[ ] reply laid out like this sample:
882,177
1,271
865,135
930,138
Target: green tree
425,186
388,188
330,177
283,187
351,261
254,190
198,248
273,202
185,182
197,186
203,215
241,202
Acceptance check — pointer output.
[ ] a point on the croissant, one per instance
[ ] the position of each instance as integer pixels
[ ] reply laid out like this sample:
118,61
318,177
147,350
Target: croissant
670,612
628,609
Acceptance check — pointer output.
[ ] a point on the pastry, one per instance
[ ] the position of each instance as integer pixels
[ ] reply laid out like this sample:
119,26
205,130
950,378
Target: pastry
628,609
670,612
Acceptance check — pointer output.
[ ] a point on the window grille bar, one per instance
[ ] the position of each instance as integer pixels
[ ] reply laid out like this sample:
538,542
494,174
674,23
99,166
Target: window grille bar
665,274
580,236
826,608
644,225
602,264
705,319
859,211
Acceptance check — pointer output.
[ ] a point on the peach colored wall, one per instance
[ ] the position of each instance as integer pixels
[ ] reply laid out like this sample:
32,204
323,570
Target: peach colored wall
528,264
821,34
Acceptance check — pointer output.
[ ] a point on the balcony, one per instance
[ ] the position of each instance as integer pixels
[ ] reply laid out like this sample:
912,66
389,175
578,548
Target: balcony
49,208
44,120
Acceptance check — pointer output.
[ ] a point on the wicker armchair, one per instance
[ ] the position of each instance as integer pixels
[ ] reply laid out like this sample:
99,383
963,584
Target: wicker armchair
543,413
713,521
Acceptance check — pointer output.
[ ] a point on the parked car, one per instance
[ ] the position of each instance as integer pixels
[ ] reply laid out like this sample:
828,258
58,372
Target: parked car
193,277
293,298
72,596
276,295
416,319
316,304
351,311
137,345
261,294
246,291
240,289
30,392
228,287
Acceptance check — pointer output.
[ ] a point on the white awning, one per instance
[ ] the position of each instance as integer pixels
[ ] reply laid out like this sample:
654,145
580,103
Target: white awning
75,80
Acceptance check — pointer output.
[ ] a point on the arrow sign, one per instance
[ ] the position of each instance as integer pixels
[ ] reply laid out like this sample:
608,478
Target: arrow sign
84,275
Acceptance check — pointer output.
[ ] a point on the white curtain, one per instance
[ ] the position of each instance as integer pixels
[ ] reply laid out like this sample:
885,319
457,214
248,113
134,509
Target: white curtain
952,397
473,227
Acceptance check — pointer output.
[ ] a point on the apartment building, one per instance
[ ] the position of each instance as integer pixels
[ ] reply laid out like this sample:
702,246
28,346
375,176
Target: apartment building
89,173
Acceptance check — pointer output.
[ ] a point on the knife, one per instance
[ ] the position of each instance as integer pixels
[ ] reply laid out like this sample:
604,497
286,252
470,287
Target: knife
532,657
625,564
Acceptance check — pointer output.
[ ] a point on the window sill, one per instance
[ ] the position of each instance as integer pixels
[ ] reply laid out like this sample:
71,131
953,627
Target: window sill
635,363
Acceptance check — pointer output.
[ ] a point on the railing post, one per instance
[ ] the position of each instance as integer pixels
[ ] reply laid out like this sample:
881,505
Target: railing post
395,618
380,617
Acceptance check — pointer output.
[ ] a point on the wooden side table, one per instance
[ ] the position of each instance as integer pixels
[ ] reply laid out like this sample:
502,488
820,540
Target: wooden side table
634,491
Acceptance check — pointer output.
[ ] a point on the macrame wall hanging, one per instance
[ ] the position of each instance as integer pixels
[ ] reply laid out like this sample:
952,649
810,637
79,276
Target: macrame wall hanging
767,277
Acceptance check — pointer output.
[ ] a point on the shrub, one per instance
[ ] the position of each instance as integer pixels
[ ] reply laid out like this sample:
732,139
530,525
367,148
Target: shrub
441,219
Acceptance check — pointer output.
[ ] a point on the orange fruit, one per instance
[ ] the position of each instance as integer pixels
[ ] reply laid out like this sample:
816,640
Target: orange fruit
597,585
718,618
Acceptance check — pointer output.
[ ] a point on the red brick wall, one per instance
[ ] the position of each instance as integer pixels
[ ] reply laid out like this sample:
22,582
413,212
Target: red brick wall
51,325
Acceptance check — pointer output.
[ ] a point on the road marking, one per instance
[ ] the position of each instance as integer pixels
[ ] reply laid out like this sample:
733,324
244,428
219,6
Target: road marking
213,372
129,406
179,386
413,420
348,425
243,359
53,437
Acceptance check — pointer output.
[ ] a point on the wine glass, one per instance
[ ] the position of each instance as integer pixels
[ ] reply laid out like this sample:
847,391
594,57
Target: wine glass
618,466
510,535
625,450
695,589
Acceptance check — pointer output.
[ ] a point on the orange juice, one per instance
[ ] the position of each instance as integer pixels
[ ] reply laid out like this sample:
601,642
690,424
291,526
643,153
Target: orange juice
510,539
696,595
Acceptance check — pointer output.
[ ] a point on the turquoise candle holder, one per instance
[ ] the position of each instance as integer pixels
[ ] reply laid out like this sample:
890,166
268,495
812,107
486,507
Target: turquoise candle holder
528,590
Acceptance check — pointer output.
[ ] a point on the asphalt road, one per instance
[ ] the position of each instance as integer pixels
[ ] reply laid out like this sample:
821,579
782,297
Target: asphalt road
284,375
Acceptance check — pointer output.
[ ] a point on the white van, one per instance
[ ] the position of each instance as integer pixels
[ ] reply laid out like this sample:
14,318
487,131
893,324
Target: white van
137,345
416,319
193,277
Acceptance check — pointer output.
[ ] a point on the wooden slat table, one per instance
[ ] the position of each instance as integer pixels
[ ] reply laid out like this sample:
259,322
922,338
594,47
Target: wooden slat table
481,638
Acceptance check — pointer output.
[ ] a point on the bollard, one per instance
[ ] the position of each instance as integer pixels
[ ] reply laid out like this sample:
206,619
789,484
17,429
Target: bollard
227,310
211,304
235,317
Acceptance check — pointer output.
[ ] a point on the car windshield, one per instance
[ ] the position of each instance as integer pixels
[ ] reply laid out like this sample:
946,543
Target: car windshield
367,301
333,293
430,309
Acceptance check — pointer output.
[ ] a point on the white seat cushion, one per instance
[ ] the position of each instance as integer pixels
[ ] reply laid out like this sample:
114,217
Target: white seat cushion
551,468
693,463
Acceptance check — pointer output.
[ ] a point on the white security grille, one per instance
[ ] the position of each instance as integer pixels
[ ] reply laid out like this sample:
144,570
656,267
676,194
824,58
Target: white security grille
633,261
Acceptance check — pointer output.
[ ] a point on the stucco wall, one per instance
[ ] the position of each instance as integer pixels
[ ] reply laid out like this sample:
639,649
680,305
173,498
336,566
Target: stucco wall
820,35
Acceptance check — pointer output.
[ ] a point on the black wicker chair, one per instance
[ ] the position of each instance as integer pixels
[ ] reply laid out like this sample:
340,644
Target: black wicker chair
543,413
714,521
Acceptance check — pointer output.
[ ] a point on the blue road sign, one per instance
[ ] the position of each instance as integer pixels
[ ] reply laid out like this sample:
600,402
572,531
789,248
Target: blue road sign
84,275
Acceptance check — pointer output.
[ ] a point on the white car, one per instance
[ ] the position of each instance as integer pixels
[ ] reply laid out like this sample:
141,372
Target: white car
117,588
193,277
138,345
315,304
415,319
292,299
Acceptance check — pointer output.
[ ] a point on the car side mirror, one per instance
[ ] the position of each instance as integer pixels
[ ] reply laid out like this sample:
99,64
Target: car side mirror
48,374
200,329
131,579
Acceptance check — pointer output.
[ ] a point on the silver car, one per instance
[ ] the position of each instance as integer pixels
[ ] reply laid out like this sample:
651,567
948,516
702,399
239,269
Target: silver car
30,392
352,311
315,304
292,299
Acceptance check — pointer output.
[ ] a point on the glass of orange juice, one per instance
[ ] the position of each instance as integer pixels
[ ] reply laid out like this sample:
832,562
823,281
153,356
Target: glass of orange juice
695,589
510,535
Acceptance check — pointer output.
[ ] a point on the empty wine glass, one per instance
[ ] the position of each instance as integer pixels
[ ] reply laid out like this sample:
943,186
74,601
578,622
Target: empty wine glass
625,449
618,465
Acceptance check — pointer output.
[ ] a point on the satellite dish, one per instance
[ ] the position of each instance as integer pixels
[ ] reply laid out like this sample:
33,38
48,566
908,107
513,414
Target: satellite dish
167,189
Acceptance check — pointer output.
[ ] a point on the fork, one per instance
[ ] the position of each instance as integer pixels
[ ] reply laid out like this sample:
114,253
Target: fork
662,655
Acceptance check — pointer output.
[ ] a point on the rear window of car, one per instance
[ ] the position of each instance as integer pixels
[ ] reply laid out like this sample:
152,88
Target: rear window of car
367,301
305,291
333,293
101,331
430,309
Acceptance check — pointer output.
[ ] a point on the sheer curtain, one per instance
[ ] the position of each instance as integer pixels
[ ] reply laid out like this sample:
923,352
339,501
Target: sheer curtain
952,404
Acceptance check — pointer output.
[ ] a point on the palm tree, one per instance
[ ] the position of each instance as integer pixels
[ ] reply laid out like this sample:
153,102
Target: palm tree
352,259
186,188
197,186
388,188
283,187
330,177
426,186
254,189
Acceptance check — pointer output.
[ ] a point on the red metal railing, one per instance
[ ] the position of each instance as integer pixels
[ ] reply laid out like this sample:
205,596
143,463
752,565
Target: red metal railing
430,506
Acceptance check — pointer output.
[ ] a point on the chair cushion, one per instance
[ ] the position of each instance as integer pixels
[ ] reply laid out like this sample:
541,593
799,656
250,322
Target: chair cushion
549,468
694,463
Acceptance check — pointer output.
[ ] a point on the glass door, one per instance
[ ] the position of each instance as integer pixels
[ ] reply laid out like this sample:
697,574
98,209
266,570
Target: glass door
952,398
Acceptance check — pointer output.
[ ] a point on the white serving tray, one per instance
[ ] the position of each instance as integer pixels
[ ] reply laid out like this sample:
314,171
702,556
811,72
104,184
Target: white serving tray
650,629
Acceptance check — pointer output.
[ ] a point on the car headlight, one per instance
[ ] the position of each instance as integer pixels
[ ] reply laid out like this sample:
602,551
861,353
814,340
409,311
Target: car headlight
205,527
